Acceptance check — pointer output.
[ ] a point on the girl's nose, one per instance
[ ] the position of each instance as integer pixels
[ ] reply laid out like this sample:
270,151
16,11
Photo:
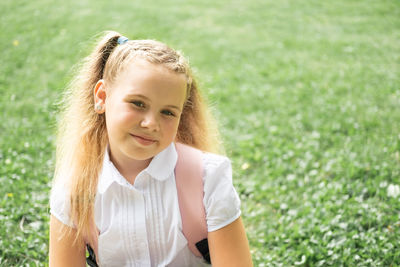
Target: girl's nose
150,122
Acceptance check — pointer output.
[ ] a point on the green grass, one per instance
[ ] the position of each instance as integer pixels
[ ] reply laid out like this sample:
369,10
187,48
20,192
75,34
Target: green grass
306,92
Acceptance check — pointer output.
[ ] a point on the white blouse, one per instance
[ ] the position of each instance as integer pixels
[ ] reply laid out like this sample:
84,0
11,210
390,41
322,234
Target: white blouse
140,224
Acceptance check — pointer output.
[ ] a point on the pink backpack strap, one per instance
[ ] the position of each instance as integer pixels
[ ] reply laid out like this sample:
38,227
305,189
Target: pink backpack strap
189,184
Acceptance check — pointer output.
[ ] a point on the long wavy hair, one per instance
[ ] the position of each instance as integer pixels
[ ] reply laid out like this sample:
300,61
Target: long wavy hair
82,135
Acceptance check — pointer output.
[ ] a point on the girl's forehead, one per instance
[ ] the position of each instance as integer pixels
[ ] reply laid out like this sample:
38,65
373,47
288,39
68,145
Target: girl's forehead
143,77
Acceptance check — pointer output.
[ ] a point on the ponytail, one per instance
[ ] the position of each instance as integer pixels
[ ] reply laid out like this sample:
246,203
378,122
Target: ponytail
82,137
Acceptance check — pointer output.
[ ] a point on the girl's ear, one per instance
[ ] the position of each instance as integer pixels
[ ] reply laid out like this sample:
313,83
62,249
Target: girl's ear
100,95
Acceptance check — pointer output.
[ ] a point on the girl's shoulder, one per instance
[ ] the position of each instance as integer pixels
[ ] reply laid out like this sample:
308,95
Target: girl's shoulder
221,200
211,163
216,163
59,202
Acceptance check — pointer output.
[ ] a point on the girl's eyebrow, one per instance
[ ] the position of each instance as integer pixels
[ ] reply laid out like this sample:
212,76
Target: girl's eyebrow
174,107
138,95
148,99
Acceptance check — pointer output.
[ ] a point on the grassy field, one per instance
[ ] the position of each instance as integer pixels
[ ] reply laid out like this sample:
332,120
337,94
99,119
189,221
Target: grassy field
307,94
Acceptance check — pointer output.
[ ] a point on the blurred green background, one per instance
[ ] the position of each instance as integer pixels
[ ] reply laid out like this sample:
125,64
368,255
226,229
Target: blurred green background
306,92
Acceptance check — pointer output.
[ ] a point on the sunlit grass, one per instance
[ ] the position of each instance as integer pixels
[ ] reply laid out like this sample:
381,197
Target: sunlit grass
307,94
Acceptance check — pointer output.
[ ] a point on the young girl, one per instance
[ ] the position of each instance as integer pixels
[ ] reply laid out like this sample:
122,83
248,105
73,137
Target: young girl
114,190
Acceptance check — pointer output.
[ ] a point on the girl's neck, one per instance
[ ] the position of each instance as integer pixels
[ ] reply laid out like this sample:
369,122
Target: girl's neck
129,168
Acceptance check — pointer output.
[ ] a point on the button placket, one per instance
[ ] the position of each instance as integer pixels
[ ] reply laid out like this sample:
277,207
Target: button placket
140,230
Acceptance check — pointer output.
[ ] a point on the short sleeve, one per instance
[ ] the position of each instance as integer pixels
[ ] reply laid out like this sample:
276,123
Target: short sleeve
221,200
60,205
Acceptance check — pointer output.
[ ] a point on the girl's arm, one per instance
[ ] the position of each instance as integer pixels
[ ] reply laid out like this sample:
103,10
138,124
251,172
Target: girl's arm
62,251
229,246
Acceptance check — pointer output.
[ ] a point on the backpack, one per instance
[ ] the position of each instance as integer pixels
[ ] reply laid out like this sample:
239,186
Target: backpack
189,185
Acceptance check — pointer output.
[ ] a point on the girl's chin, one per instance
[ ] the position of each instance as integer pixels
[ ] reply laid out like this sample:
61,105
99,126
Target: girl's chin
142,153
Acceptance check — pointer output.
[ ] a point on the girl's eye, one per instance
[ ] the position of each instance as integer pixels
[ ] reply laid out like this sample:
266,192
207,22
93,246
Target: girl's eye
139,104
168,113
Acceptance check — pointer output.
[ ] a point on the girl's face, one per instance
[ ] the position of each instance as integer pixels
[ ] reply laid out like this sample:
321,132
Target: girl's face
142,109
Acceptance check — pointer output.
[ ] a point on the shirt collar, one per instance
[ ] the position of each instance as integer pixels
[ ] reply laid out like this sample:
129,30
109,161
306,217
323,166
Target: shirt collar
160,168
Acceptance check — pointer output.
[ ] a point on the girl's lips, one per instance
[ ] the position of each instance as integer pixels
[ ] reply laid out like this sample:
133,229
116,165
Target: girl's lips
143,140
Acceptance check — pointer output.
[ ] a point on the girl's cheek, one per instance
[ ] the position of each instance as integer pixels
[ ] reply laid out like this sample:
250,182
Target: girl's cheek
172,127
129,114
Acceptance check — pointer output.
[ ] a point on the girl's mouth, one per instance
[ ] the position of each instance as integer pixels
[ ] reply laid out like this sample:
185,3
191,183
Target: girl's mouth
145,141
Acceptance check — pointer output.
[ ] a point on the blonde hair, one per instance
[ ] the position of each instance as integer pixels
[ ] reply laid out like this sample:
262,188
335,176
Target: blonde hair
82,136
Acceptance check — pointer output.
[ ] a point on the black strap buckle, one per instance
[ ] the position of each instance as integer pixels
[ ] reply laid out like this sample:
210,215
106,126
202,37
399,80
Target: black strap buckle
202,246
91,259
